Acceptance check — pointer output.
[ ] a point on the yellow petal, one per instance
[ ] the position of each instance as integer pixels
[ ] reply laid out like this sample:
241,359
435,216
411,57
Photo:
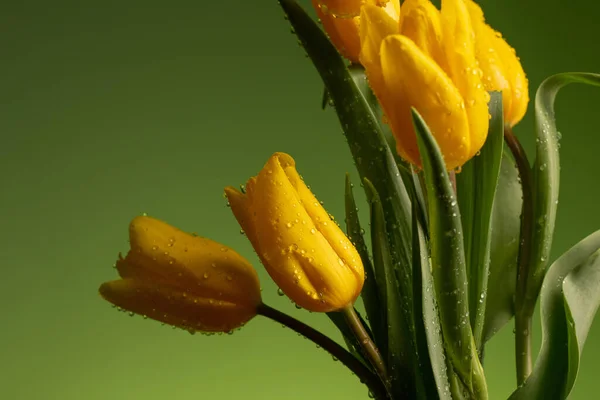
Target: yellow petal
241,206
458,39
418,82
420,21
174,306
296,252
490,61
343,32
376,25
516,77
346,8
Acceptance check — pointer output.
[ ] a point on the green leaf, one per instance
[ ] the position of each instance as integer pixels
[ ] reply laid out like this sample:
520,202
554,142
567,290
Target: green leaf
546,179
448,265
476,187
399,361
569,300
430,344
506,228
374,307
372,155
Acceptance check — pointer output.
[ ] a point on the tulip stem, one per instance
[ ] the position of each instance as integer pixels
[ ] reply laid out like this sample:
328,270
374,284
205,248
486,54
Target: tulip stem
523,311
352,363
365,340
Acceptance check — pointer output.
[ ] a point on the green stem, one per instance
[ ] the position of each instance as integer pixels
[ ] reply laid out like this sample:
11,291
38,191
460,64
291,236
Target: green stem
524,312
352,363
364,339
523,347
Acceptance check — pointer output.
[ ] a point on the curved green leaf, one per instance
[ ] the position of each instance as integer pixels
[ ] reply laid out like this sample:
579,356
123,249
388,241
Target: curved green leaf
546,178
448,265
375,308
432,357
504,249
399,361
372,155
476,189
569,300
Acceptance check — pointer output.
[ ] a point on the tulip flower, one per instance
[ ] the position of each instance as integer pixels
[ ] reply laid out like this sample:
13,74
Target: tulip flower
183,280
429,61
344,32
303,250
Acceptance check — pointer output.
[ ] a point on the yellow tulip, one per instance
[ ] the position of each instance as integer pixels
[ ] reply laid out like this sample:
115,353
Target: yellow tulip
183,280
433,61
302,249
344,32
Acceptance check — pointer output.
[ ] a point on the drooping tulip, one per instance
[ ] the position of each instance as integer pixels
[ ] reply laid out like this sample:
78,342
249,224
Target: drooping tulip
183,280
302,248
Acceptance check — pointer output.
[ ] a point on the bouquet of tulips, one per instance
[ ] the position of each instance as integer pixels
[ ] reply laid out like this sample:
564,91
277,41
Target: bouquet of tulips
461,222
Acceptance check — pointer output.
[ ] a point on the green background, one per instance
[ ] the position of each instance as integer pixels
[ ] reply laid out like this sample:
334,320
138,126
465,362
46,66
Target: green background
111,109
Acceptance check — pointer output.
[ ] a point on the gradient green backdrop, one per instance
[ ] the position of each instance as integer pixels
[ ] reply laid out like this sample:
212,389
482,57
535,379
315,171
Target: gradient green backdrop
111,109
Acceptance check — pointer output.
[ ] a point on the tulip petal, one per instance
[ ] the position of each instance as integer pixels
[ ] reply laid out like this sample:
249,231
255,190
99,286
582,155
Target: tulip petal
296,254
420,21
376,25
343,32
346,8
163,254
458,39
490,61
241,206
516,78
179,308
408,70
336,238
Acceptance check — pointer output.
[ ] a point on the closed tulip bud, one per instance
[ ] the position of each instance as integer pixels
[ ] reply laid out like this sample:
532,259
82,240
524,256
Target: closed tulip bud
427,61
301,247
344,31
183,280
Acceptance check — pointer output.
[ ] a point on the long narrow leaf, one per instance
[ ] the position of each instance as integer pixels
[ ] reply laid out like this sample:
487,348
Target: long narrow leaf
504,249
448,265
399,358
476,186
375,308
434,382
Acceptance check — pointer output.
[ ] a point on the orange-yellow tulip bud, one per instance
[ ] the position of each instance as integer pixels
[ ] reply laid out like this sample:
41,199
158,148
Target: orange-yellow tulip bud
432,60
302,248
183,280
344,31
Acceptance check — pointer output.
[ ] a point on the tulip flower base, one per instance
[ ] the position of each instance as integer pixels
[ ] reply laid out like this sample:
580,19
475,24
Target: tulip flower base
461,221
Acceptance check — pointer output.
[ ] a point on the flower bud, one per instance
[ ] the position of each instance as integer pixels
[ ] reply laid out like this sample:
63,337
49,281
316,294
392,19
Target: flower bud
183,280
302,248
